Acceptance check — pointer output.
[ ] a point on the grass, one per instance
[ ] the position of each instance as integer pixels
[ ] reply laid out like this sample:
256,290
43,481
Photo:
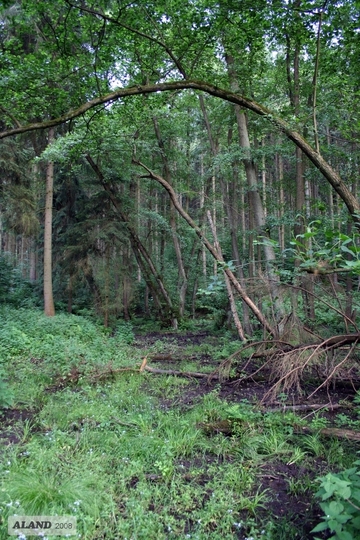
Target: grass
127,455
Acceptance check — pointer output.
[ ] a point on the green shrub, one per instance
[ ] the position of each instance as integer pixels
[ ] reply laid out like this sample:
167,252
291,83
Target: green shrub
340,496
6,394
124,332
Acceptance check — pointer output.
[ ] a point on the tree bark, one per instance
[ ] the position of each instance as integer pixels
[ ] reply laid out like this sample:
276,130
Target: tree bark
233,308
49,308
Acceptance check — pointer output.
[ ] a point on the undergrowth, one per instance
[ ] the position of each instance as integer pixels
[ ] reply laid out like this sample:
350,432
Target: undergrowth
126,455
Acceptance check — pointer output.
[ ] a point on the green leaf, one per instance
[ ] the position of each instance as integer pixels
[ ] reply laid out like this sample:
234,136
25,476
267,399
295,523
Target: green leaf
345,535
355,522
320,527
347,250
335,508
334,525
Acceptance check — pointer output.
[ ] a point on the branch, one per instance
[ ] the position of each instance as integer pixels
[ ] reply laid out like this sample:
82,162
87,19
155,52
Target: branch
321,299
134,30
332,432
194,374
208,245
320,163
315,79
322,271
328,379
227,426
304,407
10,115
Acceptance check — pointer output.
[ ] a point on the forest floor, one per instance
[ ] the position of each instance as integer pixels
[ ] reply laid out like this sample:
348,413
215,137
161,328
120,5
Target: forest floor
172,456
289,485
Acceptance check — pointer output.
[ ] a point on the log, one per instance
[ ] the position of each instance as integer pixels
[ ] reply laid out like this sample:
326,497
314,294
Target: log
286,408
334,432
192,374
227,427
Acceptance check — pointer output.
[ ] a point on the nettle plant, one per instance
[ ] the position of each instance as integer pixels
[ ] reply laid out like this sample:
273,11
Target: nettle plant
340,496
322,249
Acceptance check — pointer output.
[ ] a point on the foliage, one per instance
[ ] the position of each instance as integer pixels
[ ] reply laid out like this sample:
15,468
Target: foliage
28,336
14,289
108,217
6,394
124,332
320,249
127,441
340,496
118,244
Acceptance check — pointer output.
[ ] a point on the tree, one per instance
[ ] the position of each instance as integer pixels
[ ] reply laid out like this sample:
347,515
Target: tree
89,49
48,291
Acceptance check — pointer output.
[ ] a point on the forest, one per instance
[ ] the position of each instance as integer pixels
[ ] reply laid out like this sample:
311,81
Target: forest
179,267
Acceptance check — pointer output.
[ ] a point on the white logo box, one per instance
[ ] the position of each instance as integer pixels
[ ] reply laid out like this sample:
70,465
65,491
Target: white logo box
42,525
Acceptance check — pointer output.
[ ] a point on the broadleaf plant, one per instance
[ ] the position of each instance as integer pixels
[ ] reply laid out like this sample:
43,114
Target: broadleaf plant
340,501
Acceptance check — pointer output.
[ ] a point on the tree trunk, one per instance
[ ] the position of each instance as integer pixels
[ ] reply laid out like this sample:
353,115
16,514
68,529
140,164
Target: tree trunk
107,286
255,199
214,151
227,282
259,215
32,269
70,295
231,200
151,276
183,281
49,308
209,247
280,174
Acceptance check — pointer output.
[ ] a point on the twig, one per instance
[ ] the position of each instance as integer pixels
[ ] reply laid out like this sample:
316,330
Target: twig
112,371
334,370
352,504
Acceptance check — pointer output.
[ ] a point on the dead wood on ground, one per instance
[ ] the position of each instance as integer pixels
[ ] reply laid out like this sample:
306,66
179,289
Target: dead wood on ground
304,407
193,374
108,372
286,363
333,432
227,428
